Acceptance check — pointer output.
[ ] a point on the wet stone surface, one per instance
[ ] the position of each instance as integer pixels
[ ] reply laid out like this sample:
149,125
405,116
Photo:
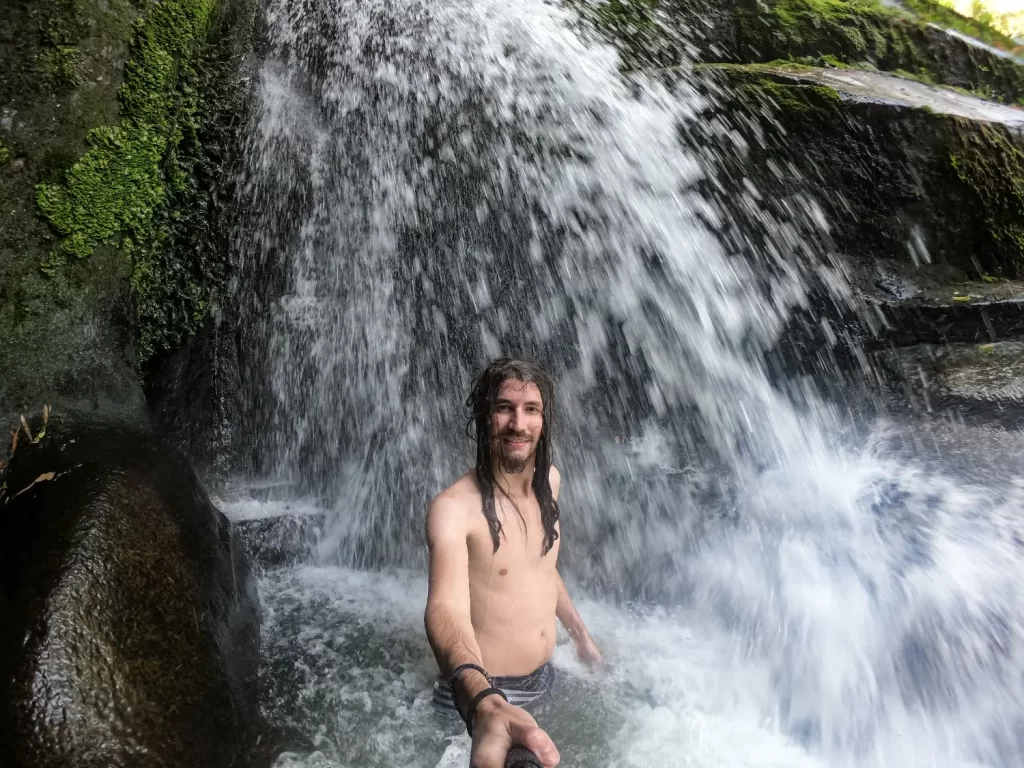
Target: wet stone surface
974,380
274,527
937,304
881,88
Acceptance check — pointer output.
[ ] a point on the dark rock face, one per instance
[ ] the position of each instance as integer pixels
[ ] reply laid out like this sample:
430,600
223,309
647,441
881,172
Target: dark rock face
273,542
130,624
194,396
926,181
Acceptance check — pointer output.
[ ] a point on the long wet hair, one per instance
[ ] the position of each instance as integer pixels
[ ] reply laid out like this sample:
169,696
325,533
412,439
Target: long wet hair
480,407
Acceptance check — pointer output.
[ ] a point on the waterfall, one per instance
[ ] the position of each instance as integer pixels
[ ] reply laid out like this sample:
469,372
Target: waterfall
433,184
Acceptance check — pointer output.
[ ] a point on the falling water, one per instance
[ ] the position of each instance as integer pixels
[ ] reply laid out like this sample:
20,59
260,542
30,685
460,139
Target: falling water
433,184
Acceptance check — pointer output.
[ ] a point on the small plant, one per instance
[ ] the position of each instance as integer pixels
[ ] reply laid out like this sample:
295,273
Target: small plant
32,439
5,154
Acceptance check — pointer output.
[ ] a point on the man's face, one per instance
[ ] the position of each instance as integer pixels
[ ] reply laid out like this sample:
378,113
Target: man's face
516,423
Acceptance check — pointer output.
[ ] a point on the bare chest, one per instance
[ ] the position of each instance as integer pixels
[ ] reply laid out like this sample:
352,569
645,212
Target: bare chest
520,555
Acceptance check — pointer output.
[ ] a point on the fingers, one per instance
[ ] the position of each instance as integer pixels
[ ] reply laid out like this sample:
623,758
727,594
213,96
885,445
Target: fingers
538,742
490,752
498,734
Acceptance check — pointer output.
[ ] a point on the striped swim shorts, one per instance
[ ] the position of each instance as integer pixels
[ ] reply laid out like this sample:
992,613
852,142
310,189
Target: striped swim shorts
523,691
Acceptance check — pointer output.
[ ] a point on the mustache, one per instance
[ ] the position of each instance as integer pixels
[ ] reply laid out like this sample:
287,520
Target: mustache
515,435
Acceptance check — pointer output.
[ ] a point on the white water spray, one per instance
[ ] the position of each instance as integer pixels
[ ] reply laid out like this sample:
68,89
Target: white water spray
436,183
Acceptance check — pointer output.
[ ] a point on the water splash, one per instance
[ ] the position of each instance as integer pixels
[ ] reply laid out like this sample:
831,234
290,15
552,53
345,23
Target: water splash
434,183
438,183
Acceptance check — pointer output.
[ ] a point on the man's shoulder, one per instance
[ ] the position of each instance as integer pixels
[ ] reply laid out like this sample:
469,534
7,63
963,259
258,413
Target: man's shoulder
459,497
450,511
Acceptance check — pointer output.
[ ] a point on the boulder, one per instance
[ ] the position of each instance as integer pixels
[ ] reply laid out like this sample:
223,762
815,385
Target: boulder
130,632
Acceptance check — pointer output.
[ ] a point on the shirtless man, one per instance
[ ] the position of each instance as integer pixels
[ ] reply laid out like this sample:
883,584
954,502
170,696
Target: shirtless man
495,592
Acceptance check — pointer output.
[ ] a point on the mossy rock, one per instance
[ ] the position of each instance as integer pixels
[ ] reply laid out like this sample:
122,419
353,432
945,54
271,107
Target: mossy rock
121,117
989,160
70,334
866,33
752,84
122,192
887,174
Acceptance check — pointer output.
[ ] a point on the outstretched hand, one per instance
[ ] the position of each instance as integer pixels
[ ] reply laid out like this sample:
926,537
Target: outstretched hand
498,726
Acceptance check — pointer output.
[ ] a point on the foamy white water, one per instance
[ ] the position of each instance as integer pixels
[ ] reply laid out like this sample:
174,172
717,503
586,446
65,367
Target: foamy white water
352,644
434,183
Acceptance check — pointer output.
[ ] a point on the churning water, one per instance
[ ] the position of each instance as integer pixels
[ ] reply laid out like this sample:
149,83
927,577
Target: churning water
434,182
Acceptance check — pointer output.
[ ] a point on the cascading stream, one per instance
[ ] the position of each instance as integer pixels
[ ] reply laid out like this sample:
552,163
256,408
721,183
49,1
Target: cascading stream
432,184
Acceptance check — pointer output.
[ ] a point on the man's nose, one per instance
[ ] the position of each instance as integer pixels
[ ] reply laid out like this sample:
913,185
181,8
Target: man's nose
517,418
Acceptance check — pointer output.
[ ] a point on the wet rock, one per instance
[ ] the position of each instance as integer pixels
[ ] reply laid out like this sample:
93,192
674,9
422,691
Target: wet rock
276,524
708,26
280,540
131,625
879,88
978,382
193,394
918,37
936,305
901,170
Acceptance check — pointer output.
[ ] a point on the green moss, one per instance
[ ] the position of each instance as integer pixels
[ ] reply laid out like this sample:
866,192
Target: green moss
60,67
865,33
59,61
758,83
812,62
991,164
921,77
798,98
5,154
114,195
851,31
831,62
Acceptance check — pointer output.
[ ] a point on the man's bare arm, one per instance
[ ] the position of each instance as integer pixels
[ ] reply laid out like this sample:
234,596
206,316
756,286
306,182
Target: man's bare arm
567,613
564,608
447,617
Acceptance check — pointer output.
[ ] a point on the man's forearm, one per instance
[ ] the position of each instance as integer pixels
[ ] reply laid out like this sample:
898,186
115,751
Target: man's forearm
451,637
454,643
567,614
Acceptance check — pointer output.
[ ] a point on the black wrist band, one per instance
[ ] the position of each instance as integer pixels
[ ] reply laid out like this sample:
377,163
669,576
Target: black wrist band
476,700
462,668
453,681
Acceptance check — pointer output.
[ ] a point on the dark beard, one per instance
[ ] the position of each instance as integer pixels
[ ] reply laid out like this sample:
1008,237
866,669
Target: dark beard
511,465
